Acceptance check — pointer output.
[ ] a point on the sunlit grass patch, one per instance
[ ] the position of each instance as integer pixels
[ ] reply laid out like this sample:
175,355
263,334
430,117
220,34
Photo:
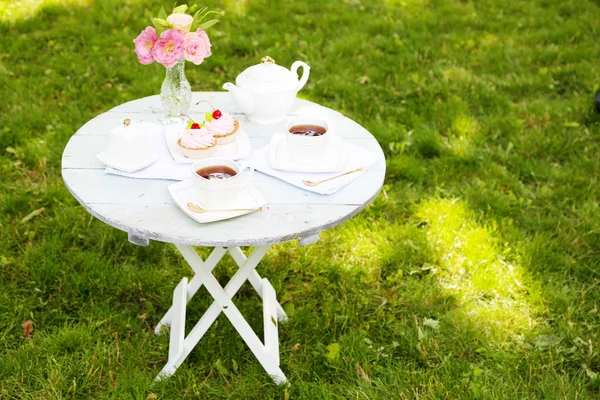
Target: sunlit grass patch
487,281
461,134
237,7
12,11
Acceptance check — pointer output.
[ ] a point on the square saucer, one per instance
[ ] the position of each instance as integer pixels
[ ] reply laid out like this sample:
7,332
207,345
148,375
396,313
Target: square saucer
239,149
334,159
125,165
184,192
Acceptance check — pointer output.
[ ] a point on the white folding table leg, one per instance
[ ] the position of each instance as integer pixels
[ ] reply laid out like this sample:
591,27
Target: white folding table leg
195,284
223,299
223,303
177,326
255,280
270,320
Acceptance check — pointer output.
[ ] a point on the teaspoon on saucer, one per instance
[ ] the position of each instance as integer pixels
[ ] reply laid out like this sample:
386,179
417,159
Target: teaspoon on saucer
315,183
198,209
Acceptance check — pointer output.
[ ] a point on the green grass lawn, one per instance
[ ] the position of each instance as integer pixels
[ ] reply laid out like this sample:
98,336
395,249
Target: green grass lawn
475,274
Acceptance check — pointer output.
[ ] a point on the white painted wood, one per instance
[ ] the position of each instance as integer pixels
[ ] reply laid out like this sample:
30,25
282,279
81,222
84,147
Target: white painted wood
138,241
113,189
270,320
144,210
195,284
224,304
255,280
283,222
220,100
81,151
178,322
305,241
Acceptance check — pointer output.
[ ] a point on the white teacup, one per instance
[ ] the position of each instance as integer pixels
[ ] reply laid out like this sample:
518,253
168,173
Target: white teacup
217,193
127,145
307,149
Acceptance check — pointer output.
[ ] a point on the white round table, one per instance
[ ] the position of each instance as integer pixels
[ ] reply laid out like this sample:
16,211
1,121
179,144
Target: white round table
144,209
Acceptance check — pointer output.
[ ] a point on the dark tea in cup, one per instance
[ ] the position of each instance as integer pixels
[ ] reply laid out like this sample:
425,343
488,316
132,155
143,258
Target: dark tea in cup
216,172
308,130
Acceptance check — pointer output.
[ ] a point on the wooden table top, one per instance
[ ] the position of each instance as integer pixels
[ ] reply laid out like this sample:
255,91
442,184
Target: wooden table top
144,208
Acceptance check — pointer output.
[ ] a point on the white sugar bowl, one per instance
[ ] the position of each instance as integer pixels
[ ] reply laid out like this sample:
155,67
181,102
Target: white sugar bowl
127,148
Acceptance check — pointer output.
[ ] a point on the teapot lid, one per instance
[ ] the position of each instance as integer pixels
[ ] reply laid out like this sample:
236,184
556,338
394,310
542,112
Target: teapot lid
267,77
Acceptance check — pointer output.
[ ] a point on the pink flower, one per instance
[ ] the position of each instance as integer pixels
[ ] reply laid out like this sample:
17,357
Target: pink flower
181,22
143,45
169,49
196,46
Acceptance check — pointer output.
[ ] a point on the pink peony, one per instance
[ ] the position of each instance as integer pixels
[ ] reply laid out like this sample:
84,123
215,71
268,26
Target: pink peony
143,45
196,46
181,22
169,49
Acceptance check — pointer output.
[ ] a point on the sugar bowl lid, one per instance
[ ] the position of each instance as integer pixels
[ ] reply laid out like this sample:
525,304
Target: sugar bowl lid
127,129
267,77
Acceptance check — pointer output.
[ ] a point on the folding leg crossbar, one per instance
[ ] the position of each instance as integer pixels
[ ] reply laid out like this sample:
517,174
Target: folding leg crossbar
181,346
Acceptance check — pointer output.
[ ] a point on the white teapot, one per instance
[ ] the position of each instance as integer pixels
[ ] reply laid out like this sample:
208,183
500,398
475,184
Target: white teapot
265,92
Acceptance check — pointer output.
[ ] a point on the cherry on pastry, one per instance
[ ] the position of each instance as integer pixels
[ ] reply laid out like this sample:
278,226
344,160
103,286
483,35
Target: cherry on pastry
195,126
217,114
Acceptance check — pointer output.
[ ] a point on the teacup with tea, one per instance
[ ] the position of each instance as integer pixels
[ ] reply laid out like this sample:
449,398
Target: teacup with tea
307,139
219,180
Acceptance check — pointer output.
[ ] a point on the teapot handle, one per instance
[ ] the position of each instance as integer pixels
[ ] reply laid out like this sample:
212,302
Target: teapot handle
305,73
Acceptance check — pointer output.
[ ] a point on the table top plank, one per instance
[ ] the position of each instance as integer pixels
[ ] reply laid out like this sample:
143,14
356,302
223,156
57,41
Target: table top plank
81,151
118,189
171,225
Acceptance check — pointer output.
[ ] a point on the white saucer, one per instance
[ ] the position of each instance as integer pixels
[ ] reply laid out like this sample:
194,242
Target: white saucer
239,149
126,166
333,160
184,192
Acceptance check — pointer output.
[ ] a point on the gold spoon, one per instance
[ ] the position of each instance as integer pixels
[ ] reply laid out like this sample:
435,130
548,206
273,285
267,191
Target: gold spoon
315,183
199,209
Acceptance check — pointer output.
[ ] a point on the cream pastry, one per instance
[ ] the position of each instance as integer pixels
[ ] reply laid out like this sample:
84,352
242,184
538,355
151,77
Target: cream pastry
222,125
197,142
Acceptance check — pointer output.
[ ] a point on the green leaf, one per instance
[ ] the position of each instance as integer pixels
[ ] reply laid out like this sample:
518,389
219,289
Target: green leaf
219,366
162,13
157,26
200,12
289,309
211,12
192,8
180,9
197,18
162,22
432,323
208,24
571,124
333,351
32,214
545,341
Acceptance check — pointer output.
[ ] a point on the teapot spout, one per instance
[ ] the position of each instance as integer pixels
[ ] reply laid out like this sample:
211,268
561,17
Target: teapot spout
242,98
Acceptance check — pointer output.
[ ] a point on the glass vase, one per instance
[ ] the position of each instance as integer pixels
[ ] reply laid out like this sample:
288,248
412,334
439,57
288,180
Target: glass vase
175,94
